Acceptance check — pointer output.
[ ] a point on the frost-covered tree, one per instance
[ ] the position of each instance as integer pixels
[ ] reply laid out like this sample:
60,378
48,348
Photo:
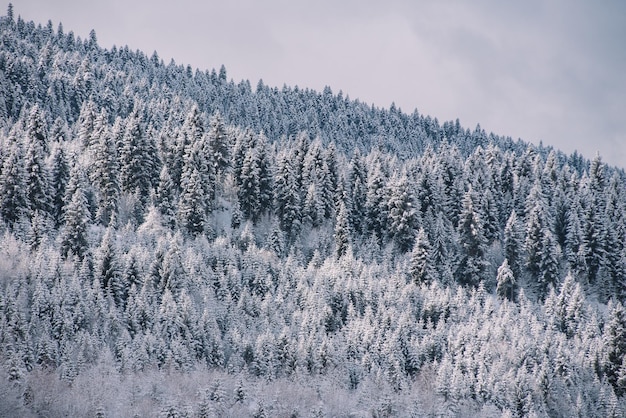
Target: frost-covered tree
473,264
403,218
59,178
13,199
422,271
74,232
192,205
507,285
342,232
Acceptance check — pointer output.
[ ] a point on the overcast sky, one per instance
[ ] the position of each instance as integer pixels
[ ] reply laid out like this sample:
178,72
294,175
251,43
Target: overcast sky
551,70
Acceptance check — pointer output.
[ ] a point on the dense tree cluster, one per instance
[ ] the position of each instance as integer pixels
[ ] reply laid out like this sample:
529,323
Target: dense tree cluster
153,218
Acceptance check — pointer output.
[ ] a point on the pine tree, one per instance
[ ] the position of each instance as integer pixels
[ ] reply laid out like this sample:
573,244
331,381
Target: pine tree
139,164
59,178
37,130
249,191
13,200
614,339
218,144
74,233
473,264
37,181
192,205
403,218
104,174
165,200
535,227
357,179
86,121
342,232
514,244
287,197
422,271
264,164
376,202
549,262
507,285
108,269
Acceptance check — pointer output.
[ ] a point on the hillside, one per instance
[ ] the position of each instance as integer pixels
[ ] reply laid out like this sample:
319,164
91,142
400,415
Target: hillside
175,243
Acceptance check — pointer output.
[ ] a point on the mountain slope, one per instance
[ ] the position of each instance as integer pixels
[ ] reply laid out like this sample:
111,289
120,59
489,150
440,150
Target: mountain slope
162,222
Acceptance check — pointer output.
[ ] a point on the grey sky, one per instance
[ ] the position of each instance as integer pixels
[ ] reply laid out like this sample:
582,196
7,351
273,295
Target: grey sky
551,70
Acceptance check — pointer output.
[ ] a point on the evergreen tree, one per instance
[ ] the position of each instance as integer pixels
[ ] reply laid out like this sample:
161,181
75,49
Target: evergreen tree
249,193
422,271
287,197
376,202
165,200
514,244
402,214
59,179
192,205
473,264
536,226
342,232
357,179
219,144
507,285
37,130
13,199
74,233
614,339
37,181
138,160
104,175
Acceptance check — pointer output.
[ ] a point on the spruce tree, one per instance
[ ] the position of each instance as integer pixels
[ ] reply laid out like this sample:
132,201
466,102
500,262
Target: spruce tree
342,232
473,264
13,199
357,179
74,233
104,175
59,179
192,205
507,285
422,271
403,218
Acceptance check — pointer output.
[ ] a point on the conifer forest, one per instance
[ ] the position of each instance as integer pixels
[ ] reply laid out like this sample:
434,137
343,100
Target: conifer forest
175,243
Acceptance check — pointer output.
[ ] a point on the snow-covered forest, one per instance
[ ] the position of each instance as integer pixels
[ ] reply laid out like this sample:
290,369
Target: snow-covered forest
175,243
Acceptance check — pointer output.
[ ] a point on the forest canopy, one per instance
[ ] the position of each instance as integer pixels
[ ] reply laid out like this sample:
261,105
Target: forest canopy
289,252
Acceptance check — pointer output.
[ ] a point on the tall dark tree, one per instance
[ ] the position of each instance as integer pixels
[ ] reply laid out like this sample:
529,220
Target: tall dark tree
357,179
59,179
13,199
342,232
473,265
104,175
219,144
74,232
192,205
422,269
37,180
403,218
287,197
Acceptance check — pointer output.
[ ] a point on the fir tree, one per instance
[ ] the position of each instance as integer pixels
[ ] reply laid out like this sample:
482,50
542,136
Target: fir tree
74,233
59,179
507,285
13,199
357,179
342,232
471,269
402,214
192,205
421,267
